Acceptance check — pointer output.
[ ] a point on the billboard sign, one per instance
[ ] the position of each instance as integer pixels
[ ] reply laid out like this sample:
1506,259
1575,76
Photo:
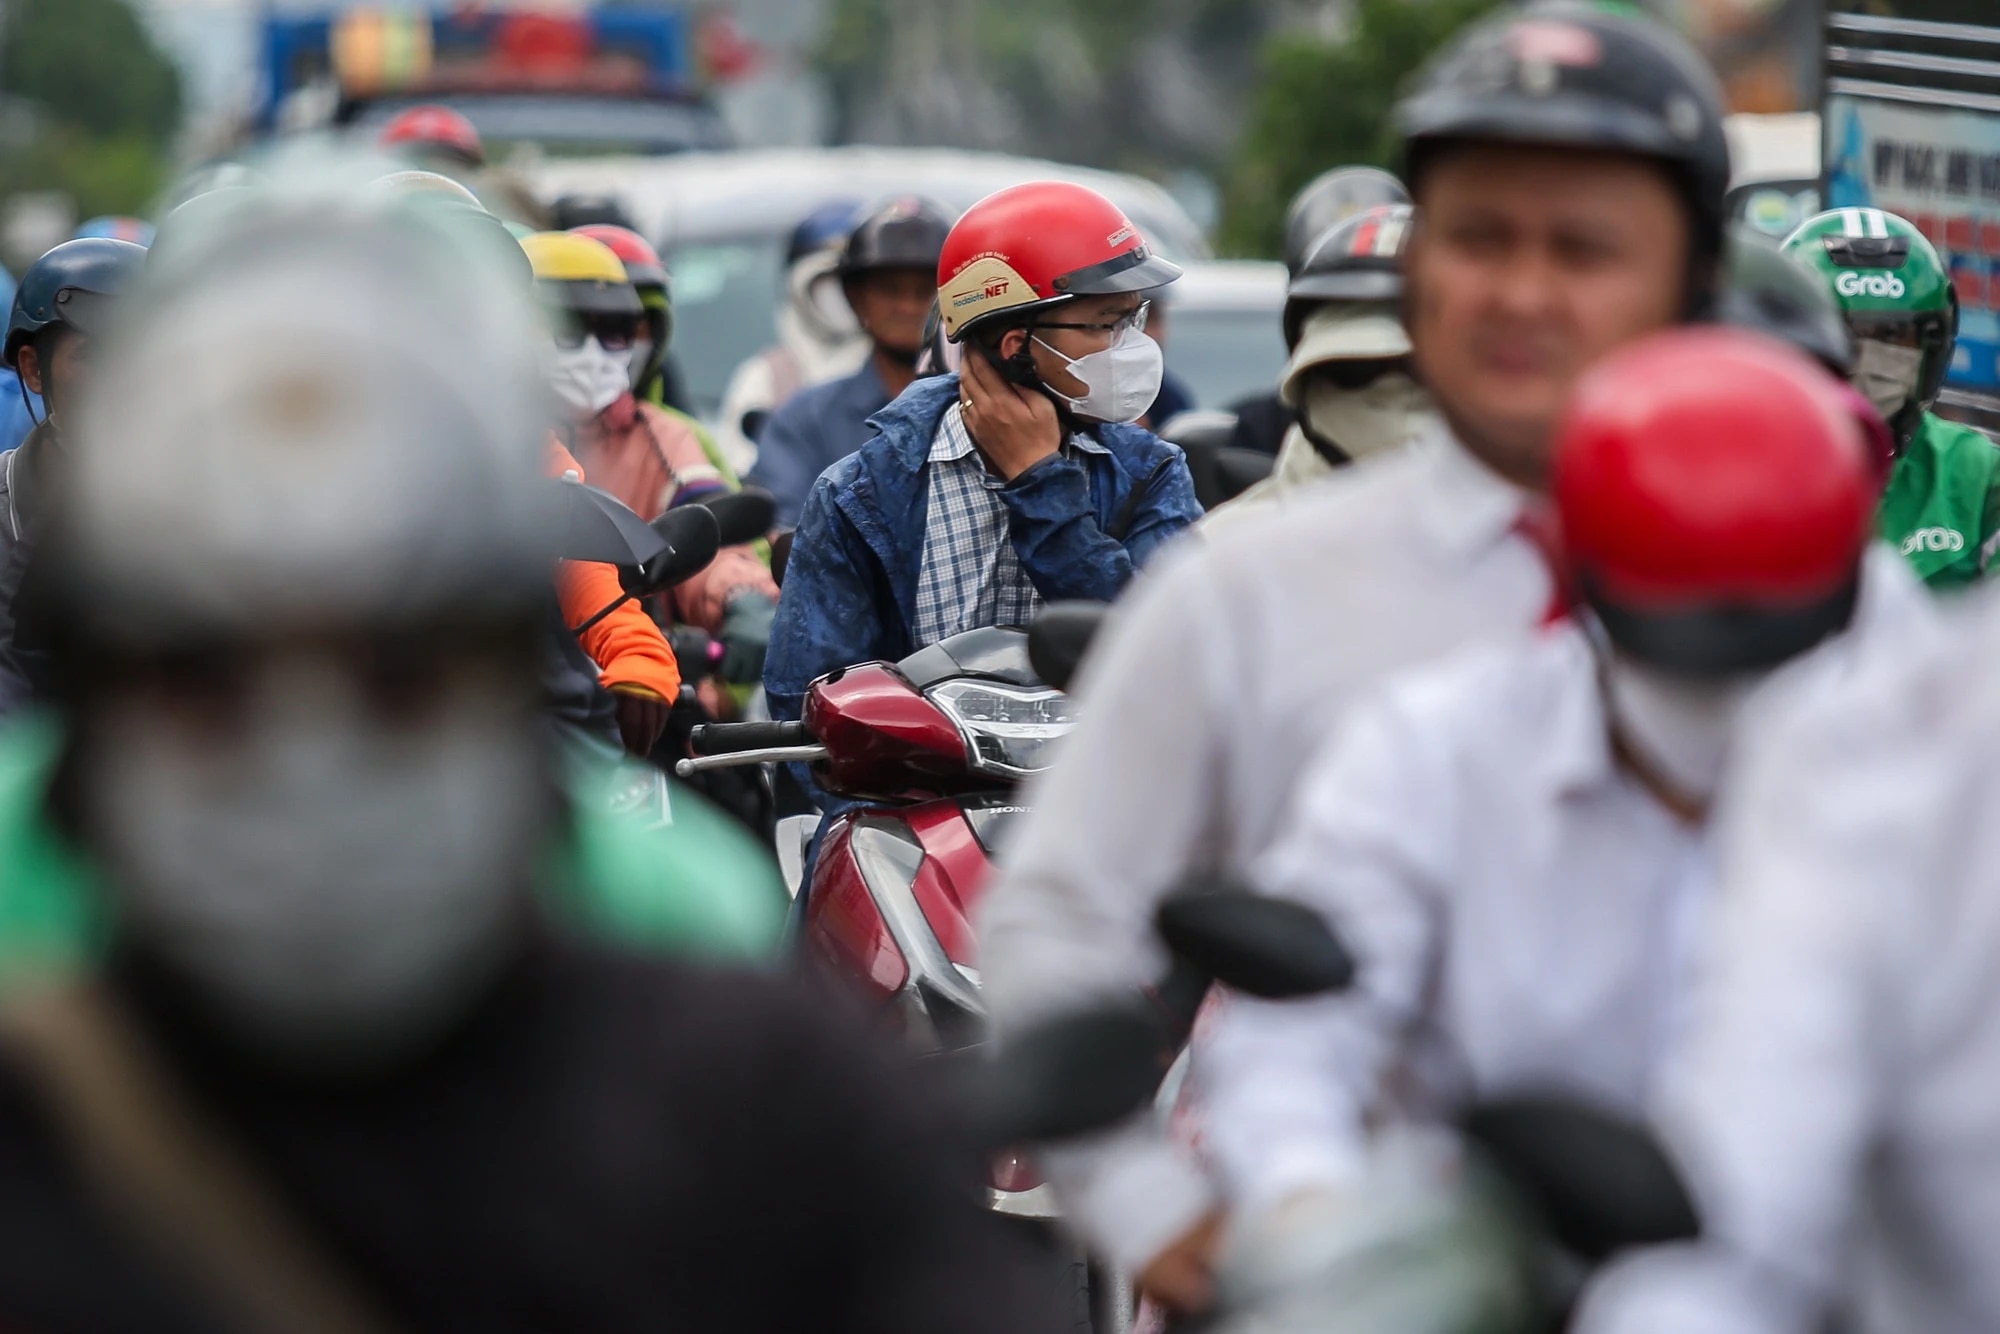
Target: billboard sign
1940,168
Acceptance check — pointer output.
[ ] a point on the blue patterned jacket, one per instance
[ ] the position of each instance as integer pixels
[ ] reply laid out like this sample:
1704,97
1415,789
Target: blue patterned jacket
1081,526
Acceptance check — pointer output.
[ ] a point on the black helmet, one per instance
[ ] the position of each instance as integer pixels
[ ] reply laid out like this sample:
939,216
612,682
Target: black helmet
1767,290
825,228
1357,260
1570,75
69,286
1333,197
905,233
581,210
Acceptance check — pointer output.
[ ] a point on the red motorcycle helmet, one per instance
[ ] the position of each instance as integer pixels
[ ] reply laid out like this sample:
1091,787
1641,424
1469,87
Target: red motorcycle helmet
1038,245
649,278
436,130
1715,498
642,262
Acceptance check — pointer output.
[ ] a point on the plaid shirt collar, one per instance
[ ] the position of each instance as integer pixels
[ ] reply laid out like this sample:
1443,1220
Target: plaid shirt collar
953,442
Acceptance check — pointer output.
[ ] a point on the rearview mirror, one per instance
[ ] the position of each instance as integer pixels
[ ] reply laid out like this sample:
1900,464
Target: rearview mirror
1069,1076
781,555
1601,1183
1059,637
742,516
692,537
1262,946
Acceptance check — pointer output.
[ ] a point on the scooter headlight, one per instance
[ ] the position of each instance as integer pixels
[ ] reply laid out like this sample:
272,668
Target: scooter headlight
1008,730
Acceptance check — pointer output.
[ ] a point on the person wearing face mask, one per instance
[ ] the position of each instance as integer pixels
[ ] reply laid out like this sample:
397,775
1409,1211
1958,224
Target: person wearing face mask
316,1031
1264,421
1941,508
61,305
1348,383
888,274
1569,167
1517,840
818,339
655,378
984,494
653,458
594,318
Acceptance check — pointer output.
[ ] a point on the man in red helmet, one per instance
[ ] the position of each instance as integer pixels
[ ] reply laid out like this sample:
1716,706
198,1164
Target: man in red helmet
979,498
1569,166
1517,839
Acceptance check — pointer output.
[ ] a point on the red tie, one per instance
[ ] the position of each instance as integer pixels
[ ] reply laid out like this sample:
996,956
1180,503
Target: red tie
1538,524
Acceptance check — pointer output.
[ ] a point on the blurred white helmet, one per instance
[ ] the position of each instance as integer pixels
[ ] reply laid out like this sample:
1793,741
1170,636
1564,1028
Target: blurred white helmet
320,415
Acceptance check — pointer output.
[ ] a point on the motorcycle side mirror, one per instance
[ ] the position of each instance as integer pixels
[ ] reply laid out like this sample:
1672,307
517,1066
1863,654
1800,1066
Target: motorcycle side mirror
781,555
1262,946
1059,637
692,537
742,516
1069,1076
1601,1183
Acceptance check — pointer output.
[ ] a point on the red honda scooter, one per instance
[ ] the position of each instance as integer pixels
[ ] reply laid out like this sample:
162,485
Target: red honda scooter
935,746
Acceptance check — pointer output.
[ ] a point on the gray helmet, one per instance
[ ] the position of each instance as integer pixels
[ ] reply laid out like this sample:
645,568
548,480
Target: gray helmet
329,419
1767,290
1331,198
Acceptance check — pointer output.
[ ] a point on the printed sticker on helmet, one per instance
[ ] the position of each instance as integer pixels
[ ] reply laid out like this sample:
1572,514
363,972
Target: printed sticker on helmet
1124,233
1554,43
1864,222
1870,284
1390,243
986,284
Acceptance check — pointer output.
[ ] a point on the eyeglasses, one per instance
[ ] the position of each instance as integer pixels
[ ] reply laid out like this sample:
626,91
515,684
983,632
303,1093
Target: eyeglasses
615,333
1136,320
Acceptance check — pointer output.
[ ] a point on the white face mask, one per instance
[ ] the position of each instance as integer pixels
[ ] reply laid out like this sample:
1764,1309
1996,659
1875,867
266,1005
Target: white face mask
1382,415
1887,375
589,378
1121,381
1680,724
337,888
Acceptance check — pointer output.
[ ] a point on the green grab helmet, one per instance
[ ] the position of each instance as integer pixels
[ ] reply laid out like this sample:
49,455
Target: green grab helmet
1899,303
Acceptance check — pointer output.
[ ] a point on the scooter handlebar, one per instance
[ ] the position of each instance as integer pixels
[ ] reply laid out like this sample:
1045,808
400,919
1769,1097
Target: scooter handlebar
734,738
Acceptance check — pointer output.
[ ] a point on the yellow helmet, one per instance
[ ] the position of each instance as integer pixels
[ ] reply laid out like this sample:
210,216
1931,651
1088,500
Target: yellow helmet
577,273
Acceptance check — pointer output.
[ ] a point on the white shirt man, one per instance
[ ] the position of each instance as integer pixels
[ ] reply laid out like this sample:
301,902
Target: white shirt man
1430,558
1527,912
1546,242
1837,1109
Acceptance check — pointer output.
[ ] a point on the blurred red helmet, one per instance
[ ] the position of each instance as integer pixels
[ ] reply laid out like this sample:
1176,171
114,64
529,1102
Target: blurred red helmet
1716,496
642,262
436,129
1036,245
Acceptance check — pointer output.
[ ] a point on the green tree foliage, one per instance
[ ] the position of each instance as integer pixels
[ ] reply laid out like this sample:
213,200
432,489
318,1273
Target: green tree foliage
106,102
1325,104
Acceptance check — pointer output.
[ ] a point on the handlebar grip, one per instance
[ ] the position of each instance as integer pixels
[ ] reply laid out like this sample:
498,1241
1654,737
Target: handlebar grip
729,738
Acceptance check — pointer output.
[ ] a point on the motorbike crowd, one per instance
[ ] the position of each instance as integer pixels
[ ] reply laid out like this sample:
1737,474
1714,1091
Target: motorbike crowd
1514,867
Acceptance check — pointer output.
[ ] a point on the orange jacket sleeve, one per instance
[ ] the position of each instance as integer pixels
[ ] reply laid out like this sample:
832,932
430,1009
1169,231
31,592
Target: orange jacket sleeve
629,650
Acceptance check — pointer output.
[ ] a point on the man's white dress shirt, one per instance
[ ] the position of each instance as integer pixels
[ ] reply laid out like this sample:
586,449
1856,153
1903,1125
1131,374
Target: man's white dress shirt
1837,1105
1219,674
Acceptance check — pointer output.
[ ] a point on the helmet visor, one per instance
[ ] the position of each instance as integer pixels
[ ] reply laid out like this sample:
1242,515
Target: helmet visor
1137,270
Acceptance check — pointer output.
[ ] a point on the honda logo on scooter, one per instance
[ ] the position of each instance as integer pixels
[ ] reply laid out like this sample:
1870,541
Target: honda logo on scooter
1869,284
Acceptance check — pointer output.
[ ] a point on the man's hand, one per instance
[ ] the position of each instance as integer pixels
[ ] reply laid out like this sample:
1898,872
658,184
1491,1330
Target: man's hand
1182,1277
1014,427
642,716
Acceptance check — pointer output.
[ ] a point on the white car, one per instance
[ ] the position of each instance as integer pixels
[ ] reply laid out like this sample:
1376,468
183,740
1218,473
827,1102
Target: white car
722,221
1223,330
